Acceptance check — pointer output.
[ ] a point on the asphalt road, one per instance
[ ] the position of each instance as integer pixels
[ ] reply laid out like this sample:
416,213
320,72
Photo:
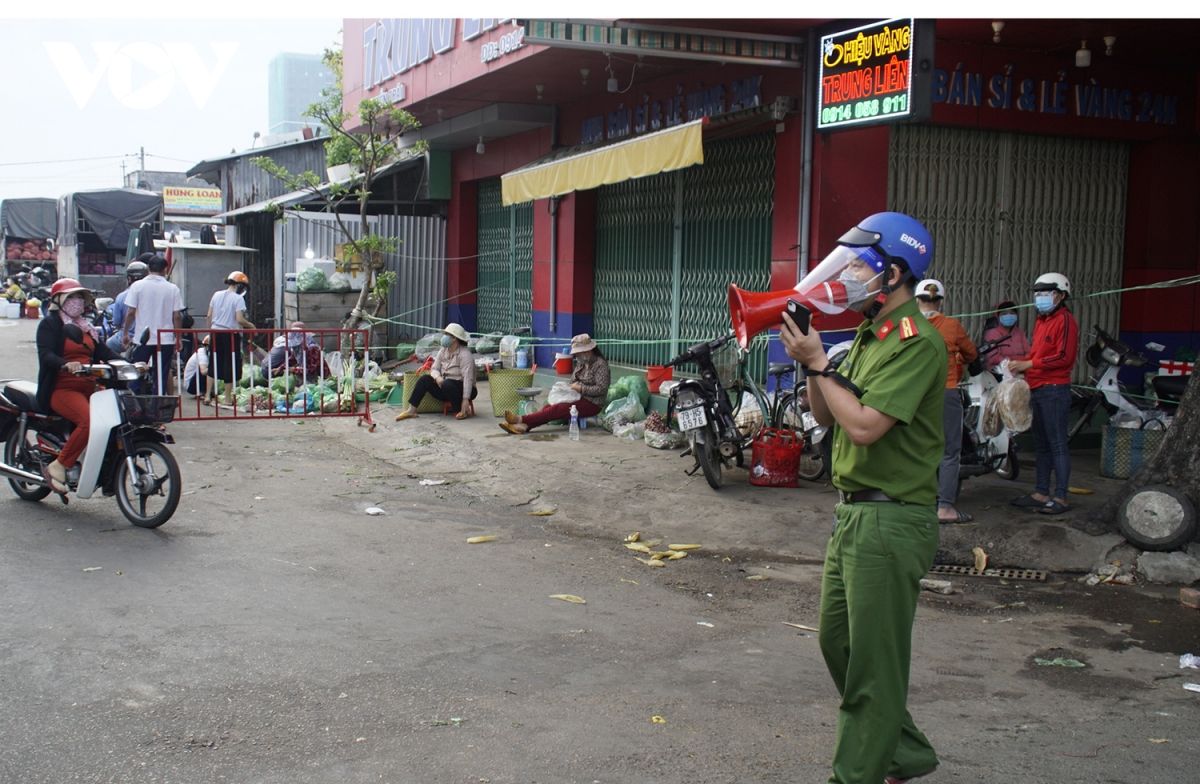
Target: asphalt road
275,632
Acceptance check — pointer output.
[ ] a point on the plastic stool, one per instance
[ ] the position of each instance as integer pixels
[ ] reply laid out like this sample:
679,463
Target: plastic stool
529,400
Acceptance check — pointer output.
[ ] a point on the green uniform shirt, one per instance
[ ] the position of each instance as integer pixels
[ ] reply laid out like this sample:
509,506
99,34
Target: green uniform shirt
899,363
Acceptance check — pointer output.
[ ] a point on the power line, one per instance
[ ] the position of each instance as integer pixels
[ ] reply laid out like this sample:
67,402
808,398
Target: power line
67,160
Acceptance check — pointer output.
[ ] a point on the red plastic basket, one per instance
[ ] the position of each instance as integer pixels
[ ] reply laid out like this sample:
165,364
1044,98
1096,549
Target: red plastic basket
775,458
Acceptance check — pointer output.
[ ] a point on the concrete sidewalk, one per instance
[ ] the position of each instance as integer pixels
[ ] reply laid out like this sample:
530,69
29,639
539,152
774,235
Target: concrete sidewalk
605,487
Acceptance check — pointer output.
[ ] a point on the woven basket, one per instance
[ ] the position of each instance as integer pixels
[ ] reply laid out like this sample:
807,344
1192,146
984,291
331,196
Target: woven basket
429,403
503,385
1123,450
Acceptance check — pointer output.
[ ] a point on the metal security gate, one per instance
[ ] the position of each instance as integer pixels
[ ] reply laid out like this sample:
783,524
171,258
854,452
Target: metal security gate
1004,208
505,262
661,289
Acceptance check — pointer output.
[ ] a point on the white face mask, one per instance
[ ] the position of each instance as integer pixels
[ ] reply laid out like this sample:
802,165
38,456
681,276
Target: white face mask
74,307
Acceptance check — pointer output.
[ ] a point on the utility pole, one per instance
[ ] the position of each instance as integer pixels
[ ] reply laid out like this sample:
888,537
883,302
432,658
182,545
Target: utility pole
142,173
122,172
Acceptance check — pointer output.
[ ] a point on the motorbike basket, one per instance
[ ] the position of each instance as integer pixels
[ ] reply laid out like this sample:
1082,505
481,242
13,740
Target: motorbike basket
149,409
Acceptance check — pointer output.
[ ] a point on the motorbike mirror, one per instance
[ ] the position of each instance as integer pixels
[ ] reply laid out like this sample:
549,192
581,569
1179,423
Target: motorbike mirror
145,338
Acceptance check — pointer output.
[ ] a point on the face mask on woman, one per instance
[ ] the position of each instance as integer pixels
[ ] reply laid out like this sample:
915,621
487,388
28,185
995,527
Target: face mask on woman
1044,302
446,341
1008,319
74,307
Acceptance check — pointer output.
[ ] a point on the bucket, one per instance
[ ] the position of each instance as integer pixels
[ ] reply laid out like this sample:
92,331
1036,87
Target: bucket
32,311
656,374
563,364
522,358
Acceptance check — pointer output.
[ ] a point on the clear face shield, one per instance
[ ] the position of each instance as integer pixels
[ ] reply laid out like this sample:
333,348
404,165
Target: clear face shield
848,278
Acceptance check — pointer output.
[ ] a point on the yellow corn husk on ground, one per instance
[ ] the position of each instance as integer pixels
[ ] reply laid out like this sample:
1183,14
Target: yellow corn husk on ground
568,597
981,558
480,539
633,537
683,547
676,555
637,547
651,562
658,555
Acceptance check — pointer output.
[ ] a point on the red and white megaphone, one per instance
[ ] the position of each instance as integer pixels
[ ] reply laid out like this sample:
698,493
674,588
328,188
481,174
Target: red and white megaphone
753,311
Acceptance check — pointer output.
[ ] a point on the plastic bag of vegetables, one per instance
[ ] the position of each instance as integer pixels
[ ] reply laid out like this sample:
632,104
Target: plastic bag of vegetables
312,279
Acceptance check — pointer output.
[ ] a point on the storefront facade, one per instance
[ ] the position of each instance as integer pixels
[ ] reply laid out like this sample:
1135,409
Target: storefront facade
1026,164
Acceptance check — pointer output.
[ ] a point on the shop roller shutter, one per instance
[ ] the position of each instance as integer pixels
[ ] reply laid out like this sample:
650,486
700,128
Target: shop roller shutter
505,280
725,237
1004,208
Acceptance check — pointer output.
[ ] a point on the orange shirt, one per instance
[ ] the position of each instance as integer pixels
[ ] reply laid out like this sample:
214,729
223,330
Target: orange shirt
960,350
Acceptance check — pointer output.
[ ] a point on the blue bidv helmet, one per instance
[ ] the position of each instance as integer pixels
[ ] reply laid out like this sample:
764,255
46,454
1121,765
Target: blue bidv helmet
898,236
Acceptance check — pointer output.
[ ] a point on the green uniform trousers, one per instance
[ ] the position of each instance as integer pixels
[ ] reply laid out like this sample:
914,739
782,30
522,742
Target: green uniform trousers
875,560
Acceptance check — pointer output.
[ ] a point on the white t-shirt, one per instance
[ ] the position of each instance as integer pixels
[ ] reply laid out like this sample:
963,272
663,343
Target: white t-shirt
197,363
225,305
156,300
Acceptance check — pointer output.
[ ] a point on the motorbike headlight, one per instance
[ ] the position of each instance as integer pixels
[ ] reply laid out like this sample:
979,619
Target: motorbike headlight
128,373
1110,356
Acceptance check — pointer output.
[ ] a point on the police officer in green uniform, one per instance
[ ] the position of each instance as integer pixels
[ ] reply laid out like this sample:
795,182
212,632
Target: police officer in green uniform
885,402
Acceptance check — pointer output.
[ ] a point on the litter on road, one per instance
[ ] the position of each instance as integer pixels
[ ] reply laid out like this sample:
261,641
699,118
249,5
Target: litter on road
800,626
375,511
1073,664
568,597
481,539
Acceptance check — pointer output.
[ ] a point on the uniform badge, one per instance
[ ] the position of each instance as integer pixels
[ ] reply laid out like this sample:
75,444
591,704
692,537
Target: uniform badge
908,328
885,329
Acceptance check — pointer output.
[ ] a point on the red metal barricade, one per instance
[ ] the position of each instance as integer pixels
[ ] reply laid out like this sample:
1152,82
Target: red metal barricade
292,373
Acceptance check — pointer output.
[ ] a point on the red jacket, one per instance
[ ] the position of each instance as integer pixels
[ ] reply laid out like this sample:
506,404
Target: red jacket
1055,345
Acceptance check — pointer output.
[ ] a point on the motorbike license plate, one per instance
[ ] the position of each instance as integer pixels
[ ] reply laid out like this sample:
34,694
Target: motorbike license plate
692,418
808,421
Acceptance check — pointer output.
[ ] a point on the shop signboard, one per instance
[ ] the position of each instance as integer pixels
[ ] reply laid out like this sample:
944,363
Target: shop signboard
875,73
191,201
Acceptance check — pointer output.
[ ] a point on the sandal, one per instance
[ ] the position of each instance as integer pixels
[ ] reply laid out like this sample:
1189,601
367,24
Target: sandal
511,418
56,485
1027,502
403,415
962,517
1054,507
516,430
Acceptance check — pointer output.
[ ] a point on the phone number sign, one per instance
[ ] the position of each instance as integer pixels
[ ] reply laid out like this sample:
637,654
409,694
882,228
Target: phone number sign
866,75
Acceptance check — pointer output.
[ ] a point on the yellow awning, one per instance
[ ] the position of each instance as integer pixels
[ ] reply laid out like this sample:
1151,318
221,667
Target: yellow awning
661,151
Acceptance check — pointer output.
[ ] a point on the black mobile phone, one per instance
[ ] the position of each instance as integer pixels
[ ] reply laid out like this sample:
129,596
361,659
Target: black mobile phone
800,315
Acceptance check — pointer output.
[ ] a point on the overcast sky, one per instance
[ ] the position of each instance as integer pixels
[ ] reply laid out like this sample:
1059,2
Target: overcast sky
184,89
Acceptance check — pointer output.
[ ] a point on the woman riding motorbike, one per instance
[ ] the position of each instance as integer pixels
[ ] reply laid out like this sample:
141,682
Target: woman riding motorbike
66,341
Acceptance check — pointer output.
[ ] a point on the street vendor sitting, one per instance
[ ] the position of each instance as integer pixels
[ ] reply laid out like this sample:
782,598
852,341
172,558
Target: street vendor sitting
451,379
296,352
590,380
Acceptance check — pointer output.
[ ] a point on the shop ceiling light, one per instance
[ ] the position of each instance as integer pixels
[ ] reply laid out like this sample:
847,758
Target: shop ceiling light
997,27
1109,40
479,148
1083,56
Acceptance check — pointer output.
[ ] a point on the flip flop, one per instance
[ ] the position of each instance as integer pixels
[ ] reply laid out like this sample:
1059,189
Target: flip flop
1053,507
54,484
512,429
1027,502
403,415
963,517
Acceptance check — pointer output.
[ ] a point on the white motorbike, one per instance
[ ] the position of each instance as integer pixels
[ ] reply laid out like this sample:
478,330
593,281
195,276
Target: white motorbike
1107,356
126,453
983,453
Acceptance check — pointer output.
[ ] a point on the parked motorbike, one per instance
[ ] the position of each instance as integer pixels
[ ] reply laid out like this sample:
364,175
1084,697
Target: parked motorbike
982,453
818,439
705,413
126,453
1107,356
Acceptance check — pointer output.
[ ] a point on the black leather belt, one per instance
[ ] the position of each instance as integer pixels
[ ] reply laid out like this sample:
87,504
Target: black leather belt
859,496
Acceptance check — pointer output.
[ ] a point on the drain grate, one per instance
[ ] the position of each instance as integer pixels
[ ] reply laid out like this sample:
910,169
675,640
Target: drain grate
1034,575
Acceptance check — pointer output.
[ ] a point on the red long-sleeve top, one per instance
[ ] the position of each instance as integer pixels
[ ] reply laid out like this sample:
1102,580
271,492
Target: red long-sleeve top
1055,347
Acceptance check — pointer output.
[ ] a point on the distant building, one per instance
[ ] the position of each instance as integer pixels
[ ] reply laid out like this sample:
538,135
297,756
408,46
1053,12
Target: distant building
294,83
